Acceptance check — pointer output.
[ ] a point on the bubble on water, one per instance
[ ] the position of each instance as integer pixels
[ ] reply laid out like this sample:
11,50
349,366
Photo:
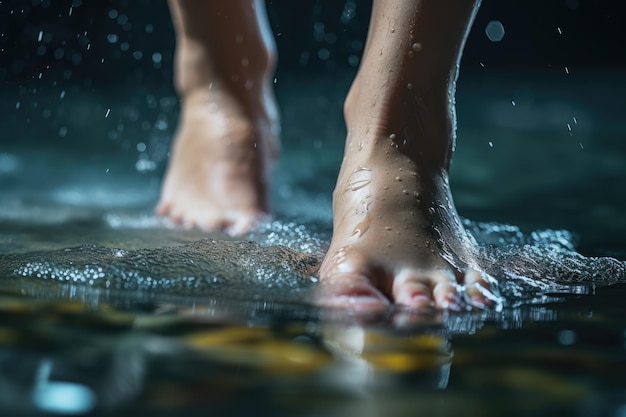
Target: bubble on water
495,31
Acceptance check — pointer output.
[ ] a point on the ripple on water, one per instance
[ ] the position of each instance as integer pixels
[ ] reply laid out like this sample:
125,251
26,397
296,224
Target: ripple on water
278,259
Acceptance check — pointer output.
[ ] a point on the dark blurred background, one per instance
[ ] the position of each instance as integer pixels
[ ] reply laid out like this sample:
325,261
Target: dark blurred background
105,41
541,111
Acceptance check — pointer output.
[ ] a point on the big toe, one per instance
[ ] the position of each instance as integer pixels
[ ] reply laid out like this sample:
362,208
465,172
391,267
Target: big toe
350,291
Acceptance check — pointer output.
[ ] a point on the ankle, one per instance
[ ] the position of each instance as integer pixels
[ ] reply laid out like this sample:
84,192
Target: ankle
244,72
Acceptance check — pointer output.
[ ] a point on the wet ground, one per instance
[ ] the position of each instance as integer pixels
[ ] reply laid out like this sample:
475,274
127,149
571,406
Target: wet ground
101,310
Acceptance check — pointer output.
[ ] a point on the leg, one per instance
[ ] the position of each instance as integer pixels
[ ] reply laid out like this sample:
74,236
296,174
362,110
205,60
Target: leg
397,235
218,174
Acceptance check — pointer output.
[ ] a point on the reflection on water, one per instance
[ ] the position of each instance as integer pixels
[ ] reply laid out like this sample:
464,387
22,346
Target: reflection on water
213,355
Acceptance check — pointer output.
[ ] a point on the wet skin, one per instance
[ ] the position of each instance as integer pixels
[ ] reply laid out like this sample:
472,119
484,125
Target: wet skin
397,236
226,142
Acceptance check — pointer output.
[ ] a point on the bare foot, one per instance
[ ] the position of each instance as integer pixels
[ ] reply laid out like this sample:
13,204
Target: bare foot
218,175
398,239
226,142
397,235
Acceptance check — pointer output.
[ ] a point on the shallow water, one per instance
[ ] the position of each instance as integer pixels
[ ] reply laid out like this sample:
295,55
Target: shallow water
139,316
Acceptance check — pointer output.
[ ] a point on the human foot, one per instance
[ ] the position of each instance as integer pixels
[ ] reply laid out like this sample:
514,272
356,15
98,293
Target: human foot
397,236
218,174
398,239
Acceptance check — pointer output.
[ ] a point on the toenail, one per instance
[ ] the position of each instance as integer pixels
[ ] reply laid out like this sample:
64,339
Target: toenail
420,298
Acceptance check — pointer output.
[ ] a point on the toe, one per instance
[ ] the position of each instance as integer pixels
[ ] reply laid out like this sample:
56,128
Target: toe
446,291
351,291
412,290
478,288
241,225
163,208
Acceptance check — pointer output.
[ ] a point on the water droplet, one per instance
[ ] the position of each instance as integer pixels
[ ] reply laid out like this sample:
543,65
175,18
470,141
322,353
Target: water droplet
40,36
558,29
409,86
392,136
416,47
360,178
513,103
490,144
398,179
495,31
566,70
245,62
362,227
349,11
107,113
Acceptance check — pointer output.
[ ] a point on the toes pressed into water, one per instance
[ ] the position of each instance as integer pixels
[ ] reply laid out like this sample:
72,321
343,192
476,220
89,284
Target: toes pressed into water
351,291
478,289
233,223
410,288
